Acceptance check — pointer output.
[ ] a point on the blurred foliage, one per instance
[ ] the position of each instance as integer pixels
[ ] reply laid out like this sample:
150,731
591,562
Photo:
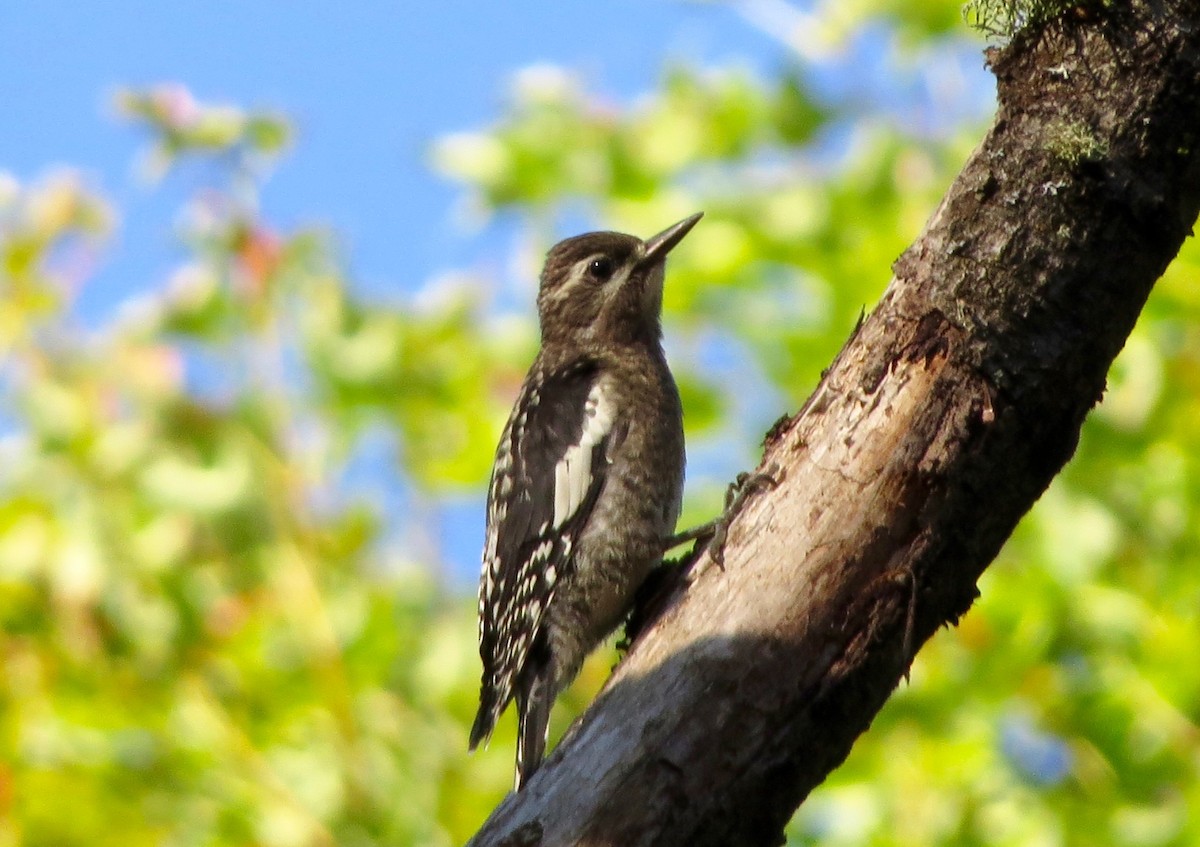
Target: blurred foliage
206,641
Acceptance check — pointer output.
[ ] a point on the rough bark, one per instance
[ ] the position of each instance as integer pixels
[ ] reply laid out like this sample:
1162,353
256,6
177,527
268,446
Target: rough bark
939,424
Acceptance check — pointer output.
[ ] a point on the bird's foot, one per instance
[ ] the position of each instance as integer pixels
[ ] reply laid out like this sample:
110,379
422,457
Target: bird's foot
656,592
715,533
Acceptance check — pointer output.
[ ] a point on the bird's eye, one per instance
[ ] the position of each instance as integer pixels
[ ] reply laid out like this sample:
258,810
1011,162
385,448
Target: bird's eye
600,268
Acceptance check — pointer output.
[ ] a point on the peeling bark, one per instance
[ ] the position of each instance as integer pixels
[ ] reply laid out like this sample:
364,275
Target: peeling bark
936,428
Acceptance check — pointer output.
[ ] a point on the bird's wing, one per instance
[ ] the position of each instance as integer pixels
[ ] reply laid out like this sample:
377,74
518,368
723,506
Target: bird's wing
550,467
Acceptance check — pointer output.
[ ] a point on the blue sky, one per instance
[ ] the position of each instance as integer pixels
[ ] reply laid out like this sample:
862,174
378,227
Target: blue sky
370,85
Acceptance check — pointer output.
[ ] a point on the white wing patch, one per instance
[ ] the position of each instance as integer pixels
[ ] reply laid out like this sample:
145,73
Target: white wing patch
573,473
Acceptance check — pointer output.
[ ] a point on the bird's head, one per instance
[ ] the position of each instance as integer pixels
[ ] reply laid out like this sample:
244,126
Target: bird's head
606,286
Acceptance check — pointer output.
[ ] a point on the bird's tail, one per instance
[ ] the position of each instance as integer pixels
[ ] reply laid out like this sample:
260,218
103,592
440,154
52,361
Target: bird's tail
533,707
485,718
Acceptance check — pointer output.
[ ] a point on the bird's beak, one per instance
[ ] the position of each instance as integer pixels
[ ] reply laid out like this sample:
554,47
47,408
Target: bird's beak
660,245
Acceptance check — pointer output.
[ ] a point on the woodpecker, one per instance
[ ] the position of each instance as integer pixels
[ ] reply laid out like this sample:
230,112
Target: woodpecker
587,481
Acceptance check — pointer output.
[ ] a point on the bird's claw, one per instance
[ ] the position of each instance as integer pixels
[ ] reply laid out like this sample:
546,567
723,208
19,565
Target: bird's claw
716,531
655,593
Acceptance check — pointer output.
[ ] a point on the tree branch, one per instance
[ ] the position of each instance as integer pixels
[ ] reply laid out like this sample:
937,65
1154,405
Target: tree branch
941,421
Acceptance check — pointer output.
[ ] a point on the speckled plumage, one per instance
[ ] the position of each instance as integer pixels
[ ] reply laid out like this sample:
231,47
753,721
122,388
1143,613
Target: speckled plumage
587,481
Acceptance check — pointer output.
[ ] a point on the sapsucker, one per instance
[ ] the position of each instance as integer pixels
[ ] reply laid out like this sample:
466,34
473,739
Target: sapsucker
587,481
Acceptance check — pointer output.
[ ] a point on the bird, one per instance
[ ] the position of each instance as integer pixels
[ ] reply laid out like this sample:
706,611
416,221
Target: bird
587,481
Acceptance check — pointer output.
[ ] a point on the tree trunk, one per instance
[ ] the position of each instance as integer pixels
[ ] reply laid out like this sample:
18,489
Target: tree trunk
939,424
